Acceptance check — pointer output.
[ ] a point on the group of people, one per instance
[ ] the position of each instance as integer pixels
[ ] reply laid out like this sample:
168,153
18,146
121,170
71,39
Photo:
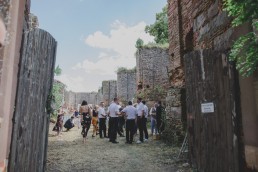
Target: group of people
134,117
60,122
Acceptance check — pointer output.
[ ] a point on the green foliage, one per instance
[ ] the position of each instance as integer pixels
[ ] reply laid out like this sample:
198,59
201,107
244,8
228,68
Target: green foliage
58,71
244,50
56,96
245,53
242,11
57,93
160,28
139,43
123,69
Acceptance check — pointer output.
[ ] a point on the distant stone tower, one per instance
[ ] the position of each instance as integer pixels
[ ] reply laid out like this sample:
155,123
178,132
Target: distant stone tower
109,91
126,85
151,67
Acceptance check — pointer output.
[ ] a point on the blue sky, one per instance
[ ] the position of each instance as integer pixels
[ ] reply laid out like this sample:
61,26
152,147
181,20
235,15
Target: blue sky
95,37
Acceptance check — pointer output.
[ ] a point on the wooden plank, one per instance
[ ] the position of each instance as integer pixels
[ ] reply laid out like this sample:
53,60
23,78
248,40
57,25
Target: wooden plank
209,78
30,122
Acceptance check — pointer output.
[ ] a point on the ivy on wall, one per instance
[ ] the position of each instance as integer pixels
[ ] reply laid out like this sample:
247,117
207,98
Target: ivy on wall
245,49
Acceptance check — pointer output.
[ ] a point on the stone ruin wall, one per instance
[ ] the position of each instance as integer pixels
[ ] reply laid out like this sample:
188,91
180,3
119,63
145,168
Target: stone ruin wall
151,67
193,25
126,85
99,96
106,93
109,91
69,99
91,98
73,99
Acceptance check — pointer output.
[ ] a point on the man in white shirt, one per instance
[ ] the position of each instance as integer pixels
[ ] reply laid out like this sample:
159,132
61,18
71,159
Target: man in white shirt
102,120
131,114
113,111
145,130
140,118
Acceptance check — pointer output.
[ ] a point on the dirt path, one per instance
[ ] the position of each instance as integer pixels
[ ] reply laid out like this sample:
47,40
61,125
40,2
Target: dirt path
68,153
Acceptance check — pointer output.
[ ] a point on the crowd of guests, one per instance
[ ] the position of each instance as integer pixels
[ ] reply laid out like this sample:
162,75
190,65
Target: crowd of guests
115,117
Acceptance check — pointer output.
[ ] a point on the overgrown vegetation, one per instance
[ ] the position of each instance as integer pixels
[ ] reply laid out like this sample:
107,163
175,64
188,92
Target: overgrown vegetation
245,48
159,30
139,43
123,69
56,93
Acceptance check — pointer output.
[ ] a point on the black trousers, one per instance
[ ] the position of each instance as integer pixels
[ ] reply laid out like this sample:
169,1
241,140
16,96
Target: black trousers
130,125
113,128
102,127
146,136
140,127
109,128
121,123
158,124
85,129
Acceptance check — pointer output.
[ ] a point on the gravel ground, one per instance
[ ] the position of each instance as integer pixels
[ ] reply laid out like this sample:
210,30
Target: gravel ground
68,153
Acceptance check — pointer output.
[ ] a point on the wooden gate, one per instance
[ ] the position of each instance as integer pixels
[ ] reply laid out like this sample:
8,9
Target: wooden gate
214,137
30,120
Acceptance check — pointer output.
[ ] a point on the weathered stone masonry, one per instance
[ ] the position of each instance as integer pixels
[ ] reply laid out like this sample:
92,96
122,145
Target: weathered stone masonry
73,99
126,85
151,67
109,91
199,25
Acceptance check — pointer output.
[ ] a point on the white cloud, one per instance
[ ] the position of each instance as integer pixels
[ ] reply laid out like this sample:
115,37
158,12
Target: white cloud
118,50
105,65
121,39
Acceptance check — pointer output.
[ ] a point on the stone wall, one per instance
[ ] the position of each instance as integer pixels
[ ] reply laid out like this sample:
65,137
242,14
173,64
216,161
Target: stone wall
91,98
199,25
193,25
100,96
69,99
109,91
72,99
126,85
151,67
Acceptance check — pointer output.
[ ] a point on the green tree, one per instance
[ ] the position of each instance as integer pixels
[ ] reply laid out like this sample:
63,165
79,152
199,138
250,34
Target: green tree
58,71
57,92
139,43
244,50
160,28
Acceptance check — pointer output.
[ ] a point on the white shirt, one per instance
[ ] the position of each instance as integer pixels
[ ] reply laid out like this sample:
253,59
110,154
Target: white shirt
113,110
101,112
146,111
130,111
140,108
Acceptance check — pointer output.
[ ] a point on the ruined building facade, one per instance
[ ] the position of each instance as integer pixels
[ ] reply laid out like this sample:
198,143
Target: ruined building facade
73,99
126,85
151,67
200,36
109,91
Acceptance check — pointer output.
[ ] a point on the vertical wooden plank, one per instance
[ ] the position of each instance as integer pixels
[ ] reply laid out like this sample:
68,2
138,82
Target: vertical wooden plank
30,123
211,136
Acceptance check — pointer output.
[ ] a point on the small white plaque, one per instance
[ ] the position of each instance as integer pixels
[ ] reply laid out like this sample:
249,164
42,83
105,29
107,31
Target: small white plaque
207,107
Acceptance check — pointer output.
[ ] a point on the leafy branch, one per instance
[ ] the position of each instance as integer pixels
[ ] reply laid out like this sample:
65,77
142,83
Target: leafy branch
244,50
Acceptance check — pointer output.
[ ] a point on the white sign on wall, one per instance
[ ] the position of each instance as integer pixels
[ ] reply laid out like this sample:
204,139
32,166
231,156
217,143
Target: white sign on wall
207,107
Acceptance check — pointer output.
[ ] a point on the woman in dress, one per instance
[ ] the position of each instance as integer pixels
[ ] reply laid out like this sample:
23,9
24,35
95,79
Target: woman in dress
85,113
